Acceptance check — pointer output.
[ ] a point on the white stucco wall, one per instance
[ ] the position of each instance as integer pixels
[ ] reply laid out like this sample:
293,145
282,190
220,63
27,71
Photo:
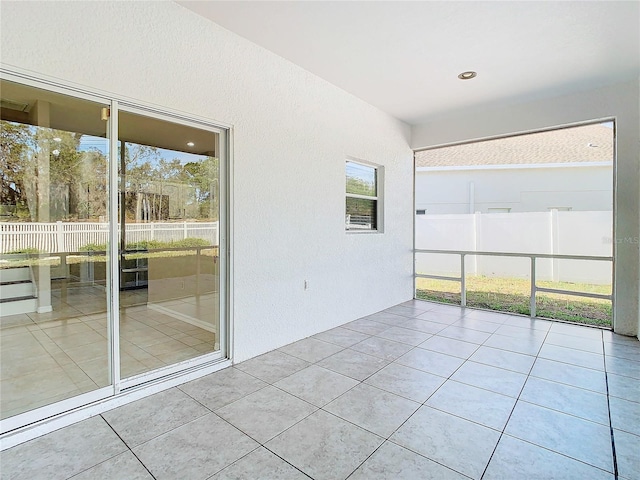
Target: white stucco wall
520,189
621,101
292,132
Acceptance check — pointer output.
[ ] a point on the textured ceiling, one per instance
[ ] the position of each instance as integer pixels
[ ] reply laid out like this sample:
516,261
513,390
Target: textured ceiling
404,57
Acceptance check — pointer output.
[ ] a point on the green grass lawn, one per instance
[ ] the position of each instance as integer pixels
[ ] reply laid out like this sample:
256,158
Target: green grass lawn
512,295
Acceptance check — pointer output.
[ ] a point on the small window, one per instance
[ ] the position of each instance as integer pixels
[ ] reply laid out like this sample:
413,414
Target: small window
499,210
362,202
421,212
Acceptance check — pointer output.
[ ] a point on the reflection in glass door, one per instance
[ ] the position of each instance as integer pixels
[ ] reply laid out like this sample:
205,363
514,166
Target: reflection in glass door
54,262
169,213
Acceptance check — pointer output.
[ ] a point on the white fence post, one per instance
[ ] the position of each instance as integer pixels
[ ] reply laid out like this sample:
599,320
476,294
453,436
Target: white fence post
60,243
185,229
555,273
477,231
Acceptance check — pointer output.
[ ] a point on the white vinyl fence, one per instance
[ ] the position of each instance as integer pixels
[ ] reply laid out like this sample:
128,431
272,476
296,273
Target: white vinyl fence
554,232
61,237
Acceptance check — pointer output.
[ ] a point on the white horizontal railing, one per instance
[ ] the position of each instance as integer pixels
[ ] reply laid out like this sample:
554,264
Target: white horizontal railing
532,272
58,237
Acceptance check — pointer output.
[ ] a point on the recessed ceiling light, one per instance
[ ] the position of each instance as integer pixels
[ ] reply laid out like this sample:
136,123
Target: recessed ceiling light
467,75
191,144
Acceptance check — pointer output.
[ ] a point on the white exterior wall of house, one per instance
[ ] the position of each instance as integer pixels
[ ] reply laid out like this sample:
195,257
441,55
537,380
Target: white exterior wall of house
520,188
619,101
291,134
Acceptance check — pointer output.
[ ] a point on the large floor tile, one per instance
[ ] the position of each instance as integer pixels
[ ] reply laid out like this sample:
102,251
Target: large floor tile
125,465
475,404
579,343
406,381
516,362
405,335
586,378
588,442
572,356
353,364
222,388
567,399
522,332
446,308
419,304
528,322
491,378
623,366
488,316
373,409
576,331
465,334
391,319
623,387
393,462
311,349
382,348
478,325
260,464
515,459
265,413
627,454
625,415
530,346
341,336
144,419
365,326
63,453
316,385
446,317
451,441
324,446
629,351
609,337
405,311
431,362
423,326
196,450
450,346
272,366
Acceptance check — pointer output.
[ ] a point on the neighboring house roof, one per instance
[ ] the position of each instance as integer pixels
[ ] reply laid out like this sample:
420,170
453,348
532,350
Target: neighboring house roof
585,144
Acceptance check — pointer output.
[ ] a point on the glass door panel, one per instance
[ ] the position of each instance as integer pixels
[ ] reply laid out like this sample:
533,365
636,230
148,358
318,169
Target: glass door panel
169,243
54,265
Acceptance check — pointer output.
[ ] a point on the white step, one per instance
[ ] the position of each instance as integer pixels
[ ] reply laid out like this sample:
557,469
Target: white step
16,290
17,307
14,274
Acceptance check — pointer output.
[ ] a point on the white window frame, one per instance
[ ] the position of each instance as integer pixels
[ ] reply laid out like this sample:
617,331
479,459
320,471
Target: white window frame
378,197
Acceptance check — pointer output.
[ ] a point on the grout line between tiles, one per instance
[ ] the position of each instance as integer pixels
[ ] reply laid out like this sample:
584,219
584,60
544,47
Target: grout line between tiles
613,442
128,447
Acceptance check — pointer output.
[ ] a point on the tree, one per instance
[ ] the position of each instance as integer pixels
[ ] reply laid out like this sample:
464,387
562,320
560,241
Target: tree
204,177
16,142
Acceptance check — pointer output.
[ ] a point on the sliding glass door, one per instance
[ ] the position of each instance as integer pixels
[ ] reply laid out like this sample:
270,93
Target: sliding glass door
169,250
112,248
54,285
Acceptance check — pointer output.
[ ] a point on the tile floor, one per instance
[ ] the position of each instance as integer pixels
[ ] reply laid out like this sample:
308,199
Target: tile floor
419,391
